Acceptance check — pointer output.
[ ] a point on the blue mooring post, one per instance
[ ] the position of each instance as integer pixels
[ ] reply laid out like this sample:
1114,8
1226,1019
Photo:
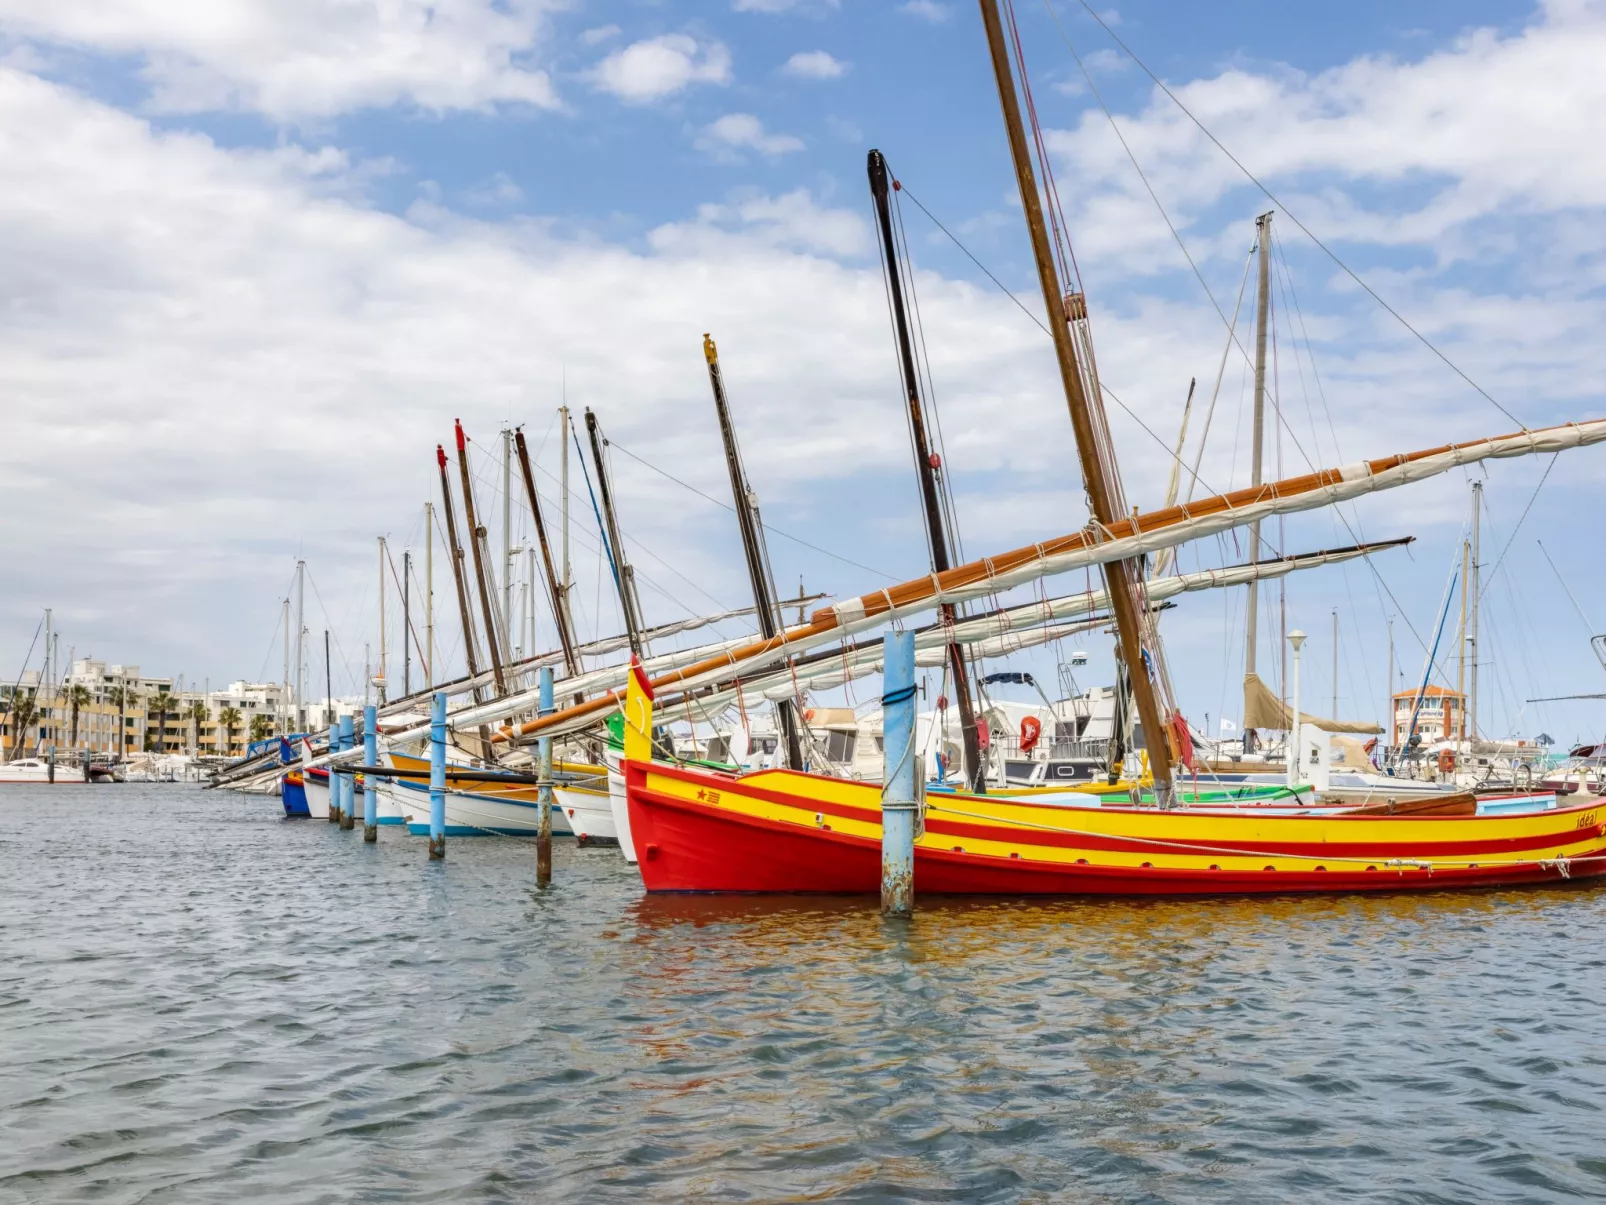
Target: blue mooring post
334,789
900,799
543,838
348,782
370,757
437,778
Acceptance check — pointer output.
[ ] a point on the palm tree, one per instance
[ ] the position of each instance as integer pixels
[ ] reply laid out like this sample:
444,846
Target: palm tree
229,720
261,727
126,697
24,715
199,713
77,697
161,708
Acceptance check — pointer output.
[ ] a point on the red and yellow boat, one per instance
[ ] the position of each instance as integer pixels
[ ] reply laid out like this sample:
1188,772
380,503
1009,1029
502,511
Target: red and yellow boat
786,831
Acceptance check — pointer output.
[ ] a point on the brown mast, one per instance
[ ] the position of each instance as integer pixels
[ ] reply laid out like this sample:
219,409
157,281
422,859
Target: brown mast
560,613
470,649
474,535
1120,576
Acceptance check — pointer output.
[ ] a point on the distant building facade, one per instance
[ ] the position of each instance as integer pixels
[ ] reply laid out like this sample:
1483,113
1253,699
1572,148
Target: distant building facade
1442,716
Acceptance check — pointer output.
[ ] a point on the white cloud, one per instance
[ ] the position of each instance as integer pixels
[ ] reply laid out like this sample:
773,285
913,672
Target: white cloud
927,10
794,220
744,132
658,67
602,33
500,190
1484,130
815,64
196,338
294,60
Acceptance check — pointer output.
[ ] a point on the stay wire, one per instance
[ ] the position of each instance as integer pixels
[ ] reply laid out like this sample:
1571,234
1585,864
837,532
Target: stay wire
1272,197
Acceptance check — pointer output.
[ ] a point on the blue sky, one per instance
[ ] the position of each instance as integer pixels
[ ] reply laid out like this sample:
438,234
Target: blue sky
263,253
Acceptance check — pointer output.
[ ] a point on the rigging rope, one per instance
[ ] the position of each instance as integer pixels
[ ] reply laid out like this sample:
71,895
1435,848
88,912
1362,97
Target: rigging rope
1270,196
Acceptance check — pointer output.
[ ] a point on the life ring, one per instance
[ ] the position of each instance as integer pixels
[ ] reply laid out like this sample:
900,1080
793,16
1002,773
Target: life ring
1523,776
1446,761
1031,731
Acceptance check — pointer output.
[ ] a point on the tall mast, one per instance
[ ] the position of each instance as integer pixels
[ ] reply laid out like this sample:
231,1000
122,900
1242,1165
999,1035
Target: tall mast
925,465
563,485
1461,661
507,534
455,550
1120,576
407,622
429,594
285,715
623,576
328,685
751,528
384,679
301,633
476,536
571,661
1477,600
1257,455
1393,732
1335,662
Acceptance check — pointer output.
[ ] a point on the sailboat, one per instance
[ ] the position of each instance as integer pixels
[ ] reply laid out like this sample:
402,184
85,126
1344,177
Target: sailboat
783,830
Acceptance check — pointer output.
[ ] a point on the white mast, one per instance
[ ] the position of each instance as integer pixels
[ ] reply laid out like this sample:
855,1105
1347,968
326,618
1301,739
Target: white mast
284,696
1477,599
1335,663
301,632
1262,304
508,567
384,681
429,594
563,483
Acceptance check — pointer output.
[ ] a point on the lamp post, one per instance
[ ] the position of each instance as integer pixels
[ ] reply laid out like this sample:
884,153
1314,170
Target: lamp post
1297,639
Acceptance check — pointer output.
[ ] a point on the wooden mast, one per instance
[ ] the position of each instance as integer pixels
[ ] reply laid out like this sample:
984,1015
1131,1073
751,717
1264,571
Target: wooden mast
475,534
758,566
470,650
560,614
926,465
624,578
1120,576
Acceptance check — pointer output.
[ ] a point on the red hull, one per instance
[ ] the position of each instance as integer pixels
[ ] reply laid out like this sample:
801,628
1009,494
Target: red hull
686,846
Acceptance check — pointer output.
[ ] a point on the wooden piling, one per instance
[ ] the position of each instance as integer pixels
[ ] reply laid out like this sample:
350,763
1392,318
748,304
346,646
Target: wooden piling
370,757
437,778
347,782
543,840
901,763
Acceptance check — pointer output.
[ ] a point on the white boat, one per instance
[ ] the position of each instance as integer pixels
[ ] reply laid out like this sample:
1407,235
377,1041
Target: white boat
616,804
470,814
37,769
589,811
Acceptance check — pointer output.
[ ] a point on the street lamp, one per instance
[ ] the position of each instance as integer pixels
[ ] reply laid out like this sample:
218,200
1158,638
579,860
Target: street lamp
1297,639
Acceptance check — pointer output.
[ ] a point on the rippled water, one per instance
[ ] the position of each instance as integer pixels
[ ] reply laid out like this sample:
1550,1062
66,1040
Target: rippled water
201,1001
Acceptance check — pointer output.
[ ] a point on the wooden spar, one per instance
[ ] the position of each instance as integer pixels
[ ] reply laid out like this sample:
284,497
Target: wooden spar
758,566
624,578
476,535
455,551
1120,576
1135,535
560,615
1256,459
925,465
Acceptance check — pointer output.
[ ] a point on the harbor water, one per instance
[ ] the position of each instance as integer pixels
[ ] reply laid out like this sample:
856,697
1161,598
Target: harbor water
200,1001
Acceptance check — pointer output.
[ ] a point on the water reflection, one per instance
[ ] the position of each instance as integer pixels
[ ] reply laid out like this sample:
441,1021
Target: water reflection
285,1012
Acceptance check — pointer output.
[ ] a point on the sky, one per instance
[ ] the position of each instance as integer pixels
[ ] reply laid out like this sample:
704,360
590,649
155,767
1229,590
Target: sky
261,253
